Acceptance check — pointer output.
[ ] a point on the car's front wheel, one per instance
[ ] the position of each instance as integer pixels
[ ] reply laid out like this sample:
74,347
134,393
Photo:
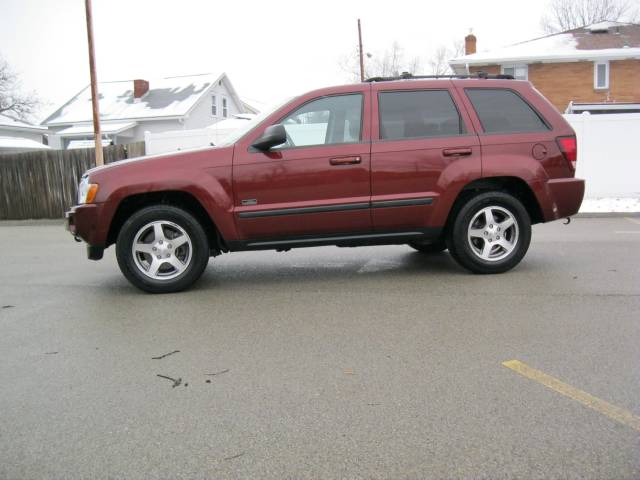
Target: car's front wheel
490,233
162,249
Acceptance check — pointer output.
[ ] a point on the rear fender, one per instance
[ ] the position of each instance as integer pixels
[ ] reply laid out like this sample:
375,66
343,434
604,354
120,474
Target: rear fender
527,169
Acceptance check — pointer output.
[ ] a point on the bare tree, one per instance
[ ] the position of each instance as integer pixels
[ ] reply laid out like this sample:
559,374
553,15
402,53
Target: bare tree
13,99
569,14
438,64
391,62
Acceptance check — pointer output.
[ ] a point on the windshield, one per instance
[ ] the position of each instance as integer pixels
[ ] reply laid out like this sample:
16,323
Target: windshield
234,136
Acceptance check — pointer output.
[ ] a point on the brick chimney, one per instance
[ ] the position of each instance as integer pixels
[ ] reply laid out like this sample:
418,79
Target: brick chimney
470,44
140,87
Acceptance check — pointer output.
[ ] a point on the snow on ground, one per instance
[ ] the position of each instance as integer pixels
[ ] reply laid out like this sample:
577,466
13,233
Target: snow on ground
608,205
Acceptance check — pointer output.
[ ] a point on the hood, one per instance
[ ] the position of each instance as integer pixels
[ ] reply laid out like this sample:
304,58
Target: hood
140,162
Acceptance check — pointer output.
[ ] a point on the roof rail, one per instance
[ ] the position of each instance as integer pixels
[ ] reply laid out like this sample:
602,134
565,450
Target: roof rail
409,76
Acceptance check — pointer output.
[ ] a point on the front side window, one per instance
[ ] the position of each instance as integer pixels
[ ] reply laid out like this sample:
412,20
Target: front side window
418,114
519,72
214,106
504,111
325,121
225,108
601,75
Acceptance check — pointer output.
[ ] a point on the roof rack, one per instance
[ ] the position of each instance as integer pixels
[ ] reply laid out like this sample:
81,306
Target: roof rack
409,76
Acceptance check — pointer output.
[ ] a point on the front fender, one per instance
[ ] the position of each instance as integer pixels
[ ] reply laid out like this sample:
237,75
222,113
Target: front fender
205,175
208,189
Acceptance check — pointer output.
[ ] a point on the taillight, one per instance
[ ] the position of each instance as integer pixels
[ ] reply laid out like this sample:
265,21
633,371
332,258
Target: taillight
569,148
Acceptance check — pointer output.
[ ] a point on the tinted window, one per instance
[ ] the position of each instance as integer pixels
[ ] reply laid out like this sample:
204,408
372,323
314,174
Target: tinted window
504,111
326,121
423,113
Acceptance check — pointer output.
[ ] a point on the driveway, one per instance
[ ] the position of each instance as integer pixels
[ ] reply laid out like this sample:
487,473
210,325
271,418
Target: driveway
373,362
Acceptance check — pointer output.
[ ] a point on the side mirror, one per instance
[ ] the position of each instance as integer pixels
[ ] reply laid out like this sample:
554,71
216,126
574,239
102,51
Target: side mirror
272,136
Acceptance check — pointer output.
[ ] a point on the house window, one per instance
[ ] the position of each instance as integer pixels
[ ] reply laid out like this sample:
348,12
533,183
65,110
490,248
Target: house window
214,106
519,72
601,75
225,109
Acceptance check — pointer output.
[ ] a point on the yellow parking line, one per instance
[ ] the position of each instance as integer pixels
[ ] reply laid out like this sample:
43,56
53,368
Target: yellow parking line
615,413
633,220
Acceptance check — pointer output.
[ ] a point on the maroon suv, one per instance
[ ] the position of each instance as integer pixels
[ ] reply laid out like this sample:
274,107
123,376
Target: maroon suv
464,164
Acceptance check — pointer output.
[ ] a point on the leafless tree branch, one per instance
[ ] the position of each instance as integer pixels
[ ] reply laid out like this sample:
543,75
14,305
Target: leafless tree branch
391,62
569,14
13,99
438,64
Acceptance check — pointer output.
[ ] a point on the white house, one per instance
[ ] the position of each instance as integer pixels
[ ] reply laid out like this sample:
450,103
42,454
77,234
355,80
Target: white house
18,136
130,108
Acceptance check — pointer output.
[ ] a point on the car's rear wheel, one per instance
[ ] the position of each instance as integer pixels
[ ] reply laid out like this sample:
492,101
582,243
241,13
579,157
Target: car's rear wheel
162,249
491,233
429,248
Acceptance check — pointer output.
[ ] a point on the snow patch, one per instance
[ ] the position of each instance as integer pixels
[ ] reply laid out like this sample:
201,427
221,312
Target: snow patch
18,143
610,205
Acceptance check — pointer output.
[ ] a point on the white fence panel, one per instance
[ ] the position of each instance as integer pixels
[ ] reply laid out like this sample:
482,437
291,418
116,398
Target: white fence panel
608,153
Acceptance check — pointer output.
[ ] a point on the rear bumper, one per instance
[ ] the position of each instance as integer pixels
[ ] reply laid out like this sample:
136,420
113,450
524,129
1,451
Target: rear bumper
83,222
566,195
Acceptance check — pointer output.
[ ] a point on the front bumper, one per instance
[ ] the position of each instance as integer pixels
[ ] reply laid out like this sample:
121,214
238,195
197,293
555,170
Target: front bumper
82,221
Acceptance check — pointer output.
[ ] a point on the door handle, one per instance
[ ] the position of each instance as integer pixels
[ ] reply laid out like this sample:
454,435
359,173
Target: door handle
456,152
345,160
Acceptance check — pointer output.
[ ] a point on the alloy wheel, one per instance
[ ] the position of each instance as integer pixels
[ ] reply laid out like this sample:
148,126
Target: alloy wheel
162,250
493,233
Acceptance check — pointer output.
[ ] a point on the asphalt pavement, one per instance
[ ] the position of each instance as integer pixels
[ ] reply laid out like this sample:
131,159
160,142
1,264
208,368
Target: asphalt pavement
349,363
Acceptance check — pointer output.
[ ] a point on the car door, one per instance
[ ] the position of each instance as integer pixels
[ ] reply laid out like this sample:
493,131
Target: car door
421,139
318,182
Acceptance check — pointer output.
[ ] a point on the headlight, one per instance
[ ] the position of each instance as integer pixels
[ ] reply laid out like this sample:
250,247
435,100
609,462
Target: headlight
86,191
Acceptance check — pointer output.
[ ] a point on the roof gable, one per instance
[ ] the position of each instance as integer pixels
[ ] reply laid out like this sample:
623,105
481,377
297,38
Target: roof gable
168,97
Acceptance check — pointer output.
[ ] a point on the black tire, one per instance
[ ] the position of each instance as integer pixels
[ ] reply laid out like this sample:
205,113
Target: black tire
194,255
429,248
467,246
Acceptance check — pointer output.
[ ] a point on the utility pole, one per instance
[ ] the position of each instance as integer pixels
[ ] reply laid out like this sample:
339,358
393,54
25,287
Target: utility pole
360,51
94,86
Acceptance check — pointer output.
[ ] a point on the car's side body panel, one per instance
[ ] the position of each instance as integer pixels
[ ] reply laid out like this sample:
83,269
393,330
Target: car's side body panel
304,190
204,174
530,156
417,168
396,190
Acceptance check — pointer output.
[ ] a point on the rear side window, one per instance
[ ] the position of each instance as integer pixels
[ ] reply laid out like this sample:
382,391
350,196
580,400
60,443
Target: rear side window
504,111
418,114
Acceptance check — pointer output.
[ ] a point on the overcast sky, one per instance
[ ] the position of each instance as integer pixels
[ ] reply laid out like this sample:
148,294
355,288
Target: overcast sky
269,49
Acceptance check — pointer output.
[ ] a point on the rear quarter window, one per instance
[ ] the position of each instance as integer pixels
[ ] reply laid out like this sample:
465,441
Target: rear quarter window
504,111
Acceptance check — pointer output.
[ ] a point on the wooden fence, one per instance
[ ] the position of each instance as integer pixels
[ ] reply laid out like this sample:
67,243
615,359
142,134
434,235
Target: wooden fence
44,184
